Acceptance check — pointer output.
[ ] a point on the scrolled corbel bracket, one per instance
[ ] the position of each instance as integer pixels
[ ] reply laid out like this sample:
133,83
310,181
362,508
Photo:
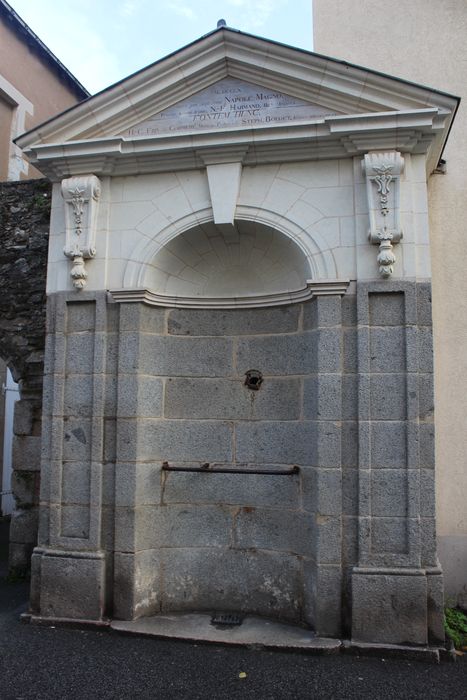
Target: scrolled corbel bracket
382,170
81,196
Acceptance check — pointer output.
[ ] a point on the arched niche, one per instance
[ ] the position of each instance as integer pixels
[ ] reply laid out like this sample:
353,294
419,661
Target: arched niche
249,259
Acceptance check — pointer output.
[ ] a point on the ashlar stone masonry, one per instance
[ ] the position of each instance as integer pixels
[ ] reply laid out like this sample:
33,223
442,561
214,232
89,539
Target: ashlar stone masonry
180,260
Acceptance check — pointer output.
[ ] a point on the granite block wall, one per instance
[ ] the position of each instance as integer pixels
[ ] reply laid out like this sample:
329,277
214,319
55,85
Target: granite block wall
219,536
170,485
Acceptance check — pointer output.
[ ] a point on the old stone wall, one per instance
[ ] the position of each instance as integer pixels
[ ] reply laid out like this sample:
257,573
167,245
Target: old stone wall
24,228
147,422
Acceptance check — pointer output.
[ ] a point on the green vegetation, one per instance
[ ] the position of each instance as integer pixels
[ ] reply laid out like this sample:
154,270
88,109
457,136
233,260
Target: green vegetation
455,625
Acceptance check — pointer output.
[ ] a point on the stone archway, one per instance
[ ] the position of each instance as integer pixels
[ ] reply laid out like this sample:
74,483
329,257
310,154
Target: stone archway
24,231
223,476
244,260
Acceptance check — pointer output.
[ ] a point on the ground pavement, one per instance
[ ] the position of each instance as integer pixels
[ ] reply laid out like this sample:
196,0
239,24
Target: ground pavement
53,663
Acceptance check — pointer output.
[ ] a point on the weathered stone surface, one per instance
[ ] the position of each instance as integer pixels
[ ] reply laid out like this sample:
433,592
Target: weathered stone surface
278,355
321,312
322,398
24,230
387,349
139,396
175,356
23,526
282,319
389,492
212,579
137,584
388,400
387,309
389,609
27,452
389,444
389,535
72,587
253,490
25,486
261,528
277,399
23,417
139,317
174,440
323,592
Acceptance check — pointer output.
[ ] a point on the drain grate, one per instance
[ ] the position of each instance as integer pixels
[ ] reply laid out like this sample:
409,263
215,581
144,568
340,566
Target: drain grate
227,619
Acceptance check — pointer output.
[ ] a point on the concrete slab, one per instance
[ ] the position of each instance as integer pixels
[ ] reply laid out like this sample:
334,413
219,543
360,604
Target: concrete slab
252,631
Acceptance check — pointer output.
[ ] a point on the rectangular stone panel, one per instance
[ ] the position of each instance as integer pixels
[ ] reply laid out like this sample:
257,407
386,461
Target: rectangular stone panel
80,316
387,309
79,358
388,445
388,399
254,490
72,587
174,441
175,356
389,609
282,319
77,439
389,535
276,442
277,399
183,526
75,521
75,483
277,355
387,349
389,492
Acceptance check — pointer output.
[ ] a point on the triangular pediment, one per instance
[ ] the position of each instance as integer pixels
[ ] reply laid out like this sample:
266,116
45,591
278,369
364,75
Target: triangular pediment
229,103
274,88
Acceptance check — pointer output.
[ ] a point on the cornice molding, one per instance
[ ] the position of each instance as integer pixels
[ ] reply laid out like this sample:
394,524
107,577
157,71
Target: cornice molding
413,131
340,87
313,288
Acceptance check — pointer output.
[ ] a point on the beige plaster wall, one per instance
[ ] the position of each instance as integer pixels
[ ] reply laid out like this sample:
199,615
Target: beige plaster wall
36,81
424,41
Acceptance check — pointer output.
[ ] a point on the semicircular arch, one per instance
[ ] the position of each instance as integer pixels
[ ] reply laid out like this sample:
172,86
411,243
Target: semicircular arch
319,259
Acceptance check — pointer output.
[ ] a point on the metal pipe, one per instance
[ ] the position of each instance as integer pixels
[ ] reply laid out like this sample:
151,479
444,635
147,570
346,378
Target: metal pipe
238,470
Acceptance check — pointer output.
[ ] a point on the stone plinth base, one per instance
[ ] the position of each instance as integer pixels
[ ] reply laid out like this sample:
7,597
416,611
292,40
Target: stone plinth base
68,584
391,607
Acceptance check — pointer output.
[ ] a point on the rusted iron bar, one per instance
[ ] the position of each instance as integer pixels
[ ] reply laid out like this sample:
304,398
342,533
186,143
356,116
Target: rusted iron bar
238,470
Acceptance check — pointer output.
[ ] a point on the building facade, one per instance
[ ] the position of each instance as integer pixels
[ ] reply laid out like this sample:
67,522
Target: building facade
238,383
424,41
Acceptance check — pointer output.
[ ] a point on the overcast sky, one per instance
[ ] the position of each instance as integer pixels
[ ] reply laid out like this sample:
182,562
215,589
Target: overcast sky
102,41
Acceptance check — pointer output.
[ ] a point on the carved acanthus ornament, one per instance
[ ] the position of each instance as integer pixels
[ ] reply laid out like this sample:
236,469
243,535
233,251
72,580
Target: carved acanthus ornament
382,171
81,195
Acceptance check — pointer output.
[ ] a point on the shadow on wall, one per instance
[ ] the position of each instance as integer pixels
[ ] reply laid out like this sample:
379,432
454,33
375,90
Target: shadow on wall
227,261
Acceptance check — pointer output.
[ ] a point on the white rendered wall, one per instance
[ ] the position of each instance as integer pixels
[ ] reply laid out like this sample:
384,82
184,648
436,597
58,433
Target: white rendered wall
424,41
320,206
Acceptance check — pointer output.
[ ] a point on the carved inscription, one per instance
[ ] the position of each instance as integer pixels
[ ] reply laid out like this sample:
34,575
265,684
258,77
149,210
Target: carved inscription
229,103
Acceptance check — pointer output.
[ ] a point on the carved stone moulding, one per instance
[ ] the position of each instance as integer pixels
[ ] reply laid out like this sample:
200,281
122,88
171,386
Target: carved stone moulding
312,289
81,196
382,170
